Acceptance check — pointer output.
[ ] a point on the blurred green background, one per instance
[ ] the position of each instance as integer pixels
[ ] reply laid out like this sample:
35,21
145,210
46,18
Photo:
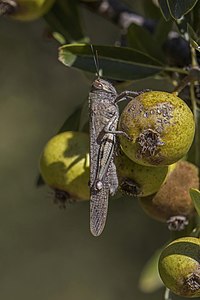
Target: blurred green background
47,253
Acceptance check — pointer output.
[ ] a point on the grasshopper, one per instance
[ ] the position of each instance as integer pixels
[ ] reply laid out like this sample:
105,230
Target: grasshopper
104,116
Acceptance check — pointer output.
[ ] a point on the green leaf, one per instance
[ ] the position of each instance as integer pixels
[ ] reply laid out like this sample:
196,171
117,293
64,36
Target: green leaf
164,9
64,19
141,39
149,280
195,19
162,30
84,117
151,10
116,62
194,40
78,120
195,195
180,8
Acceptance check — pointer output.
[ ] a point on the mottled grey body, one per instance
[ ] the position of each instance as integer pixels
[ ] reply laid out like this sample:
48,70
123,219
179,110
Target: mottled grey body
104,117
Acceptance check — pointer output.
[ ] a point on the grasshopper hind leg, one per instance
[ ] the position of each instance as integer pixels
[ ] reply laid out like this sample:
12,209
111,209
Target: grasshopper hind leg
113,179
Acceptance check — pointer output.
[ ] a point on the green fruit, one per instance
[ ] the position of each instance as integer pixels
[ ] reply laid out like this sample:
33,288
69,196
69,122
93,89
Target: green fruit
172,203
161,127
179,267
137,180
26,10
64,165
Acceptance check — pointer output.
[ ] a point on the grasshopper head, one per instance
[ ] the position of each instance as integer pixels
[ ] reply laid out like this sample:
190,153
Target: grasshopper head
103,85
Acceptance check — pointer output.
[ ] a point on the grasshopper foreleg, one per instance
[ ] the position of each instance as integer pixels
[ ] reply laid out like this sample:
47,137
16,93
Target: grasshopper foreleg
127,95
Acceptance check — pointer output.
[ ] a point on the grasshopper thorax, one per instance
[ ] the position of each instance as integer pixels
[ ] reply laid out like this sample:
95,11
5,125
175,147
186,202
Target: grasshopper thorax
104,86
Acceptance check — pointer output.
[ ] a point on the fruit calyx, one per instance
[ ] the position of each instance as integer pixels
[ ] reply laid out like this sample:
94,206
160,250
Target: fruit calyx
8,7
61,198
129,187
177,223
192,282
149,140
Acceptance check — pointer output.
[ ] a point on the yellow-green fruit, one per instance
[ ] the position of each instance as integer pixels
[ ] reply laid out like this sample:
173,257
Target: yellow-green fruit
64,164
179,267
172,203
161,127
28,10
138,180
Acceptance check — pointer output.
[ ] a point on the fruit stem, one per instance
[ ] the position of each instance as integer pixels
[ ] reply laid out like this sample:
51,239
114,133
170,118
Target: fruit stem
167,294
176,70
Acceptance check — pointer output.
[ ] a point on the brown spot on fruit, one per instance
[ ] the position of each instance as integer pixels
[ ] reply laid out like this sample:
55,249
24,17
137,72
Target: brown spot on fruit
161,127
138,180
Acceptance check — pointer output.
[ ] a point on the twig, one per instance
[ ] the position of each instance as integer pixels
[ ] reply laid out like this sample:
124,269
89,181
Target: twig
167,294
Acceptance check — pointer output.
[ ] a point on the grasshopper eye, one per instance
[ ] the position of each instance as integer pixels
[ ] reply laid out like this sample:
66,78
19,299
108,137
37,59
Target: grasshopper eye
97,85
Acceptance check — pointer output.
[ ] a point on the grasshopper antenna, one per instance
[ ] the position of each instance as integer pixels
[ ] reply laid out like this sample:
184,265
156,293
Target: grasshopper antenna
96,60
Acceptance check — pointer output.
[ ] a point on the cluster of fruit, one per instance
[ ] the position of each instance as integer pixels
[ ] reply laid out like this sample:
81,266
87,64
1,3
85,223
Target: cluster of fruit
151,167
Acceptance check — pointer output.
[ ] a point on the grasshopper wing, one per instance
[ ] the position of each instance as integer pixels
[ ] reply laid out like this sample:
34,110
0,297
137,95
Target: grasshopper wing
98,210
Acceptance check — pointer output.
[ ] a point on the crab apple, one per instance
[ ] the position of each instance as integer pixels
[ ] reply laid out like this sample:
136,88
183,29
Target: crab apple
160,126
179,266
64,165
172,203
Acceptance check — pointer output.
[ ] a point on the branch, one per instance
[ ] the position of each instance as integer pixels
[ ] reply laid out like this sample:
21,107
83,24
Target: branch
119,14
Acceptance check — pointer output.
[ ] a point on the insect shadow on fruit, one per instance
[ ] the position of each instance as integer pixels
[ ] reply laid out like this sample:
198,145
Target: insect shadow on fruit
61,197
64,166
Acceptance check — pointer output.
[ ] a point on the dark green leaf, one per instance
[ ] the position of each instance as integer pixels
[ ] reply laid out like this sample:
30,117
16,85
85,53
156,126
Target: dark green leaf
194,40
149,280
64,19
195,19
180,8
151,10
84,121
164,9
72,122
162,30
116,62
195,195
141,39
